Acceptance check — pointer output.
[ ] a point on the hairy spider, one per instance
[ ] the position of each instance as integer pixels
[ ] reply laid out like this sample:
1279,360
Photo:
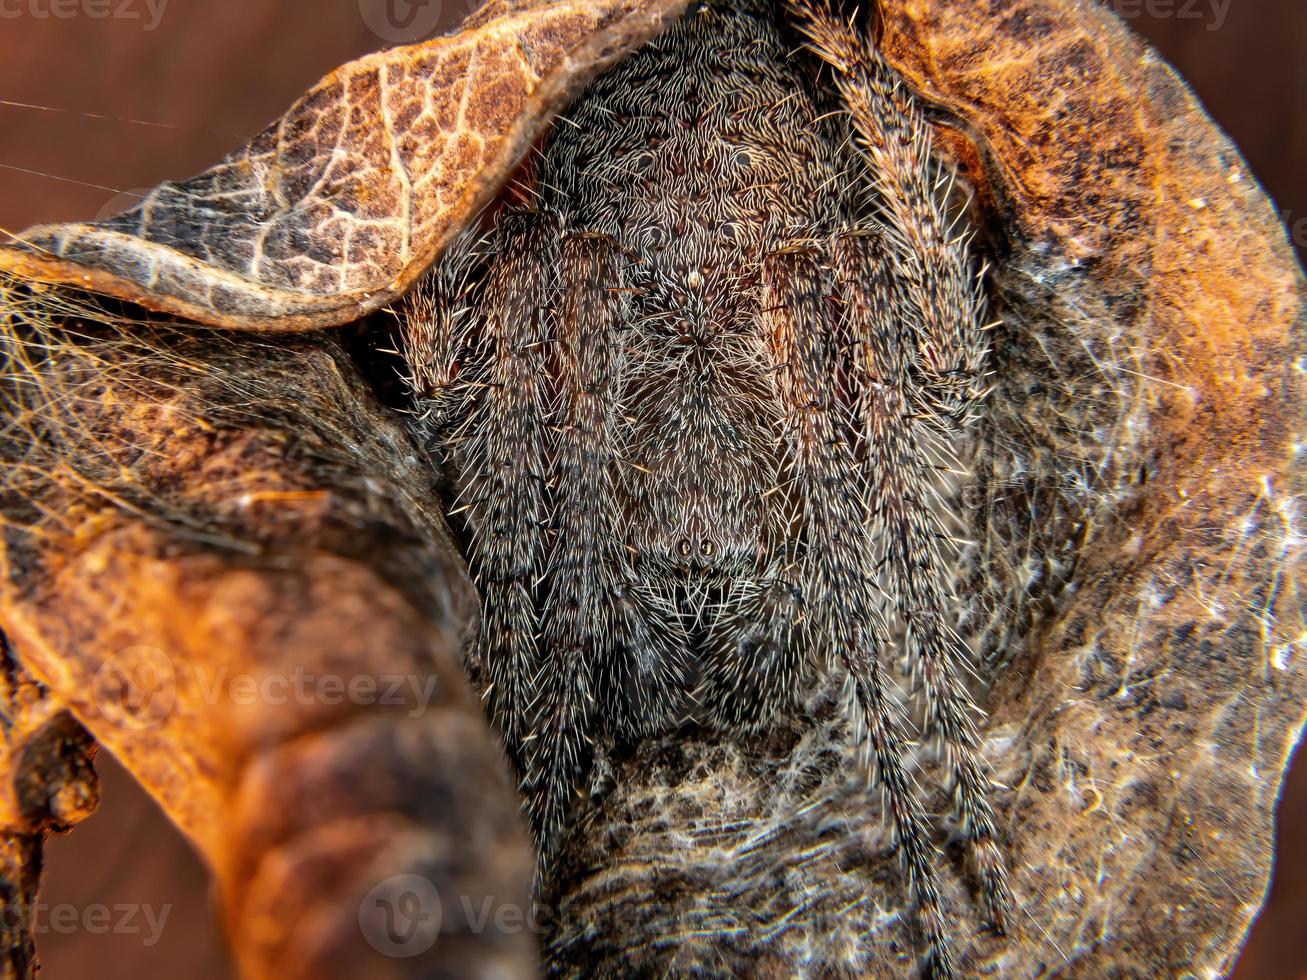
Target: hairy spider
694,400
709,406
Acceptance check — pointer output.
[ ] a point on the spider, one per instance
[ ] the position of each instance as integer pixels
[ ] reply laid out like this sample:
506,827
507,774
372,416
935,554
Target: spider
694,395
697,386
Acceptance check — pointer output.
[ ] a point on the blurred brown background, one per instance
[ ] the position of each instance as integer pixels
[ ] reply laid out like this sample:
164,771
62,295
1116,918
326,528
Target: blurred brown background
93,108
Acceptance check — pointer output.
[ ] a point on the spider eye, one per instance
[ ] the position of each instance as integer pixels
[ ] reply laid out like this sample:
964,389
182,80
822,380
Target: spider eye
706,548
683,547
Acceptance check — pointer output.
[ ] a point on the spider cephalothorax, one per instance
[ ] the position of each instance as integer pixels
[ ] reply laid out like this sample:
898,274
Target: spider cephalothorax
706,383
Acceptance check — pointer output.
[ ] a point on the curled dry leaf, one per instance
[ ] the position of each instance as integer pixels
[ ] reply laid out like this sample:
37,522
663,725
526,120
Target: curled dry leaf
336,209
1138,529
227,570
1139,535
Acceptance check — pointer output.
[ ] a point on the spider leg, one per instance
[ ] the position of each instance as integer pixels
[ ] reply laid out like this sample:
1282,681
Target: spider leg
435,323
502,446
932,265
601,632
899,471
930,376
801,334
